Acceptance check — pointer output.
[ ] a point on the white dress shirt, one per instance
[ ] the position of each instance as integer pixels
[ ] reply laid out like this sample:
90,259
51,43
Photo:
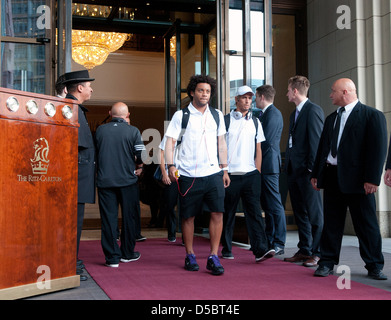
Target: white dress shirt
345,115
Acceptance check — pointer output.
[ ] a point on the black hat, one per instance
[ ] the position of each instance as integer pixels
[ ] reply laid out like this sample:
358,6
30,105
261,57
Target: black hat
60,80
76,77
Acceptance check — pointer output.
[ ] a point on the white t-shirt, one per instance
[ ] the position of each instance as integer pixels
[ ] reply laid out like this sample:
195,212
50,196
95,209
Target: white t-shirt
197,153
241,144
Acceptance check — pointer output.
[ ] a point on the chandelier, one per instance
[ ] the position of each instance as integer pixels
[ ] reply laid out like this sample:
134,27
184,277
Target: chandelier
91,48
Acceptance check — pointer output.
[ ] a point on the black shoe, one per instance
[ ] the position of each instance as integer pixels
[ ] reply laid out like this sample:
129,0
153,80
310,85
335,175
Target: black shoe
266,255
377,275
227,255
135,256
323,271
140,238
80,263
83,277
191,263
79,271
279,251
214,265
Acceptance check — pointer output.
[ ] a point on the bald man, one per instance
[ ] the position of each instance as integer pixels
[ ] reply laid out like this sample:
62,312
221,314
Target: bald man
348,166
119,153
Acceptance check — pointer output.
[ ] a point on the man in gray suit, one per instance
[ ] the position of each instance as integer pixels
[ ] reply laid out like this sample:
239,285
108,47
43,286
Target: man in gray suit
305,129
272,124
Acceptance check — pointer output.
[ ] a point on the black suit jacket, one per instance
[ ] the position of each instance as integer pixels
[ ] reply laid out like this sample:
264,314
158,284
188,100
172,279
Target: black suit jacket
362,149
86,158
305,132
272,125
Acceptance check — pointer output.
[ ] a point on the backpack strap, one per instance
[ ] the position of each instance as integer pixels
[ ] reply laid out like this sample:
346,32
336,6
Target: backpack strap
185,121
215,115
227,120
256,133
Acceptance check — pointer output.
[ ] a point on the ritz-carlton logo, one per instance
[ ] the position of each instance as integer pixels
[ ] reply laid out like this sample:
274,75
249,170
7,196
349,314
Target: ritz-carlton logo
39,163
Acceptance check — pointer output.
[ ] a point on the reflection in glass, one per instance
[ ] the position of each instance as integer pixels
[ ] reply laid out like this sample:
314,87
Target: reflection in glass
257,31
23,67
235,30
19,18
257,71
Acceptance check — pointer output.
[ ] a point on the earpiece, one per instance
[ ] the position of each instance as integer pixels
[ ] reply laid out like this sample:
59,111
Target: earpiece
238,115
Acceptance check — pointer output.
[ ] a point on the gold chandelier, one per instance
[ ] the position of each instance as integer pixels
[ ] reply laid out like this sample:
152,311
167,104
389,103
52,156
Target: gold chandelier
91,48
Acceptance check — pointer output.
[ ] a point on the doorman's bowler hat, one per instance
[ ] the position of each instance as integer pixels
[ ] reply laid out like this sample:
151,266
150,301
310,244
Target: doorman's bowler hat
76,77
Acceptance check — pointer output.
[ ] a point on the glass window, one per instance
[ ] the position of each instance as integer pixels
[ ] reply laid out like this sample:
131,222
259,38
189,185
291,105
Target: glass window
257,31
236,38
20,18
235,30
23,67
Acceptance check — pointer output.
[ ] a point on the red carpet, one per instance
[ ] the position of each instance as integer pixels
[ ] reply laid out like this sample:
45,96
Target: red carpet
159,275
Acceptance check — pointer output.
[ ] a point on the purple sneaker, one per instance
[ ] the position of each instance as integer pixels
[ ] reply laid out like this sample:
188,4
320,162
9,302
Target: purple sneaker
191,263
214,265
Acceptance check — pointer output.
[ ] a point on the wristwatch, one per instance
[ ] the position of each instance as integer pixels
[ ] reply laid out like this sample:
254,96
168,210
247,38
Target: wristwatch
170,165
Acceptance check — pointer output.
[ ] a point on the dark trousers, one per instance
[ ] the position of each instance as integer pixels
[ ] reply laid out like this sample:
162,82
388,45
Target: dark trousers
362,209
307,210
167,208
271,204
248,188
109,200
80,219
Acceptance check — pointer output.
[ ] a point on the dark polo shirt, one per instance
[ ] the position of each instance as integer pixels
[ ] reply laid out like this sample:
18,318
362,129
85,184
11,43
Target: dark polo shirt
119,147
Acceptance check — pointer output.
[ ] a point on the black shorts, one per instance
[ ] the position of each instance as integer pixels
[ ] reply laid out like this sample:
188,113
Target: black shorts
206,194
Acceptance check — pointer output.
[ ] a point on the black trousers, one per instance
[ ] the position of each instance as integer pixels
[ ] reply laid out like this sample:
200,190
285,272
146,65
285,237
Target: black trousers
80,219
248,188
307,210
167,208
362,209
109,201
274,210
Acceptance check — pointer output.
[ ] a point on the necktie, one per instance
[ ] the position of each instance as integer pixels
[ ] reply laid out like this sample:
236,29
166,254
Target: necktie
334,141
297,114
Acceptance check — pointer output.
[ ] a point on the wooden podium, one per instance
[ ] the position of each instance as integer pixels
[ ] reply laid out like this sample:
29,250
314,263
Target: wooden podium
38,194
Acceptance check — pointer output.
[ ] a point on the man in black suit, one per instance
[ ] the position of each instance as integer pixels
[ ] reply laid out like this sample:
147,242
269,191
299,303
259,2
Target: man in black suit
305,128
348,166
78,85
272,124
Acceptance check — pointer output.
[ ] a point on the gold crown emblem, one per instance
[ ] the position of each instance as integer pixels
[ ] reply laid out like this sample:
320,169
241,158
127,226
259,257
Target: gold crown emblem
40,163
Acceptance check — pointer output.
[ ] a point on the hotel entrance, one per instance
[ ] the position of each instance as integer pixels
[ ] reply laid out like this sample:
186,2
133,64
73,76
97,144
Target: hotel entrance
238,42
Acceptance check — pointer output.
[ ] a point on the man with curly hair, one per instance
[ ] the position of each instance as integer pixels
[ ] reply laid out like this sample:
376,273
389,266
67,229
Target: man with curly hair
201,165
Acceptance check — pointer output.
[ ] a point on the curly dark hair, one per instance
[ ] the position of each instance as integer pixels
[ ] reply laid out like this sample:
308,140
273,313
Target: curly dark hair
196,79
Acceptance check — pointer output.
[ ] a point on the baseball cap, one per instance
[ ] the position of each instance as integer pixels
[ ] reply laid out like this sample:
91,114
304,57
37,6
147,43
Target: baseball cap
243,90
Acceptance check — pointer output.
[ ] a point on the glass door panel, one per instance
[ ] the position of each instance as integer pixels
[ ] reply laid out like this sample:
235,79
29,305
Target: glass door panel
23,67
25,50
